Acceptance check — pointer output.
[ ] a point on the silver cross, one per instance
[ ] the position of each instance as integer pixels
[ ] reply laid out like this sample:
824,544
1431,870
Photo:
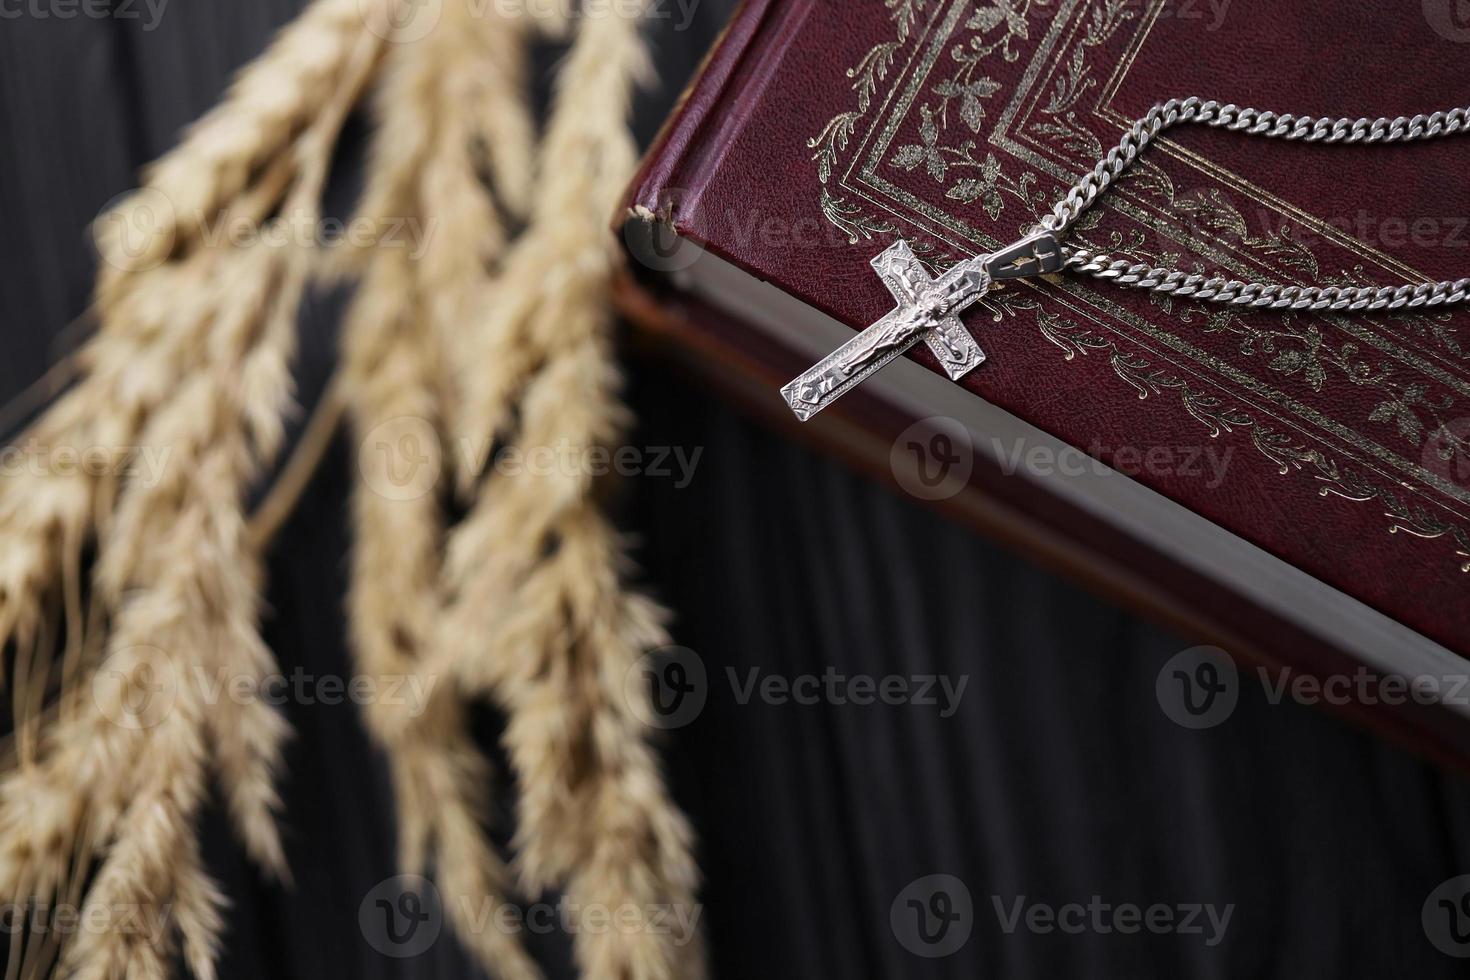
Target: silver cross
928,310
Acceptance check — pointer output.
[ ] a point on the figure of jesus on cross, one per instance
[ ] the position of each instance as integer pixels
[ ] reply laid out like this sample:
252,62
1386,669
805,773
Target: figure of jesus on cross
928,309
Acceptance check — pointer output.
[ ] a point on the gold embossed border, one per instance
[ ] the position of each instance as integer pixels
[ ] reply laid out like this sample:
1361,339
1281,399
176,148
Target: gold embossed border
857,199
1420,390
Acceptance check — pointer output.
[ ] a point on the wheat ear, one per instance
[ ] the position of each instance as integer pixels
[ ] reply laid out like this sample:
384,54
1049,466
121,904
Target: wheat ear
175,574
223,154
150,328
445,99
545,625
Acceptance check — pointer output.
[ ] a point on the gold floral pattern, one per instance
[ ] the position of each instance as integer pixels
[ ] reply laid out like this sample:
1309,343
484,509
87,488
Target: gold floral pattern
953,117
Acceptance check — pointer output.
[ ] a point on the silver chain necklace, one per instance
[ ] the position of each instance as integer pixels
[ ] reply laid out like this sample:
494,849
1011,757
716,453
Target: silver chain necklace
928,309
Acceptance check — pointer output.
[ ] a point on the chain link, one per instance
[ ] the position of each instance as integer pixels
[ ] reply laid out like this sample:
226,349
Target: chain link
1277,126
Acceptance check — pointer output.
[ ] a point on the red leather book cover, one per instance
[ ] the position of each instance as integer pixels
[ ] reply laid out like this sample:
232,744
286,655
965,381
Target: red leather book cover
824,130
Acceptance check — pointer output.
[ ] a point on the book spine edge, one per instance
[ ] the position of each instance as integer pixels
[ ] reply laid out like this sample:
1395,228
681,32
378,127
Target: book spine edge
648,197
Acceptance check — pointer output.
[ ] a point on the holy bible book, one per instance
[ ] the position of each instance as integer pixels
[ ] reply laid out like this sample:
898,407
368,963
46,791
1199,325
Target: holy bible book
1294,487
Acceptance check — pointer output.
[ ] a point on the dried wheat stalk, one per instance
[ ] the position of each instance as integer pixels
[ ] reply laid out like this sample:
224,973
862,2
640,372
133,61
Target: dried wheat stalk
181,589
444,99
474,339
176,580
273,100
537,614
151,325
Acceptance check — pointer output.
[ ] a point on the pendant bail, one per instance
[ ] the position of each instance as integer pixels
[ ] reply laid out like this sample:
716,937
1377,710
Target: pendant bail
1036,255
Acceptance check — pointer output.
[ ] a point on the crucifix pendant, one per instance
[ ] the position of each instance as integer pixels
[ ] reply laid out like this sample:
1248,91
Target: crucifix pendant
928,310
